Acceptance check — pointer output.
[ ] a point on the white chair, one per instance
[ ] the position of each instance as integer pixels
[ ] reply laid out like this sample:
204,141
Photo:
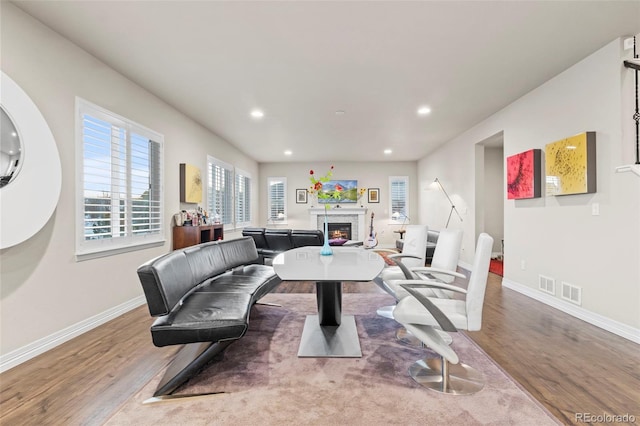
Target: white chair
443,265
425,317
414,251
413,255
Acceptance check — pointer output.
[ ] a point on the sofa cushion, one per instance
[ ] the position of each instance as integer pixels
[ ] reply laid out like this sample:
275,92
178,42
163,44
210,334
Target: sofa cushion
258,236
306,237
278,240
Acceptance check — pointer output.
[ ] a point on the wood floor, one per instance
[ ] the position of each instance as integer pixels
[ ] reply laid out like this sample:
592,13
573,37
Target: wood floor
568,365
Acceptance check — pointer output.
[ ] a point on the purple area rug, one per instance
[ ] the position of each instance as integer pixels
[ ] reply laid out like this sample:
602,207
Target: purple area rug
264,382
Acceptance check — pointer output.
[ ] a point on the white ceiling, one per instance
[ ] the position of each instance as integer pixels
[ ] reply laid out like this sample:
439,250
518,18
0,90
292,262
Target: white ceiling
301,61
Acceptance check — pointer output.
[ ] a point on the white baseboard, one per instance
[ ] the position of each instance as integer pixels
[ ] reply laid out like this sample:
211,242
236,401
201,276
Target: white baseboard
615,327
40,346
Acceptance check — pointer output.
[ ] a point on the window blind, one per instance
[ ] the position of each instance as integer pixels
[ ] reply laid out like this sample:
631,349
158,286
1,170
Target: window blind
277,199
243,198
120,190
399,195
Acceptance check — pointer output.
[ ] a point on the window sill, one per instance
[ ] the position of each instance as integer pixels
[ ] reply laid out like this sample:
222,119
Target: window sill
88,255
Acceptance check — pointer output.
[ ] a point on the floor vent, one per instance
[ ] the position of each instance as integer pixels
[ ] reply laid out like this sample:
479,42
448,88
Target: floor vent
547,284
572,293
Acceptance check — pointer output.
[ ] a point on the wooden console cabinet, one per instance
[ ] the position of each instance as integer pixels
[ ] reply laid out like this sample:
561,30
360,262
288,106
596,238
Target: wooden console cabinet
185,236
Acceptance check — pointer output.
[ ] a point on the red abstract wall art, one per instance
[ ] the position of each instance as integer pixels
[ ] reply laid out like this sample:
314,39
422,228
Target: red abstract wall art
524,178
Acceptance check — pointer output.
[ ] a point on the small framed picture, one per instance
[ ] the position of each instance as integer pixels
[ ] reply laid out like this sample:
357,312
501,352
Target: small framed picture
301,196
373,195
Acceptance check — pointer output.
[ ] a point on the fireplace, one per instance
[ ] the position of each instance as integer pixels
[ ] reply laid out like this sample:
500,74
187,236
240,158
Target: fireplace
350,215
339,230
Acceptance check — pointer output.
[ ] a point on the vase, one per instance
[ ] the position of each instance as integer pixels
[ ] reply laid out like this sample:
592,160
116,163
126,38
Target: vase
326,249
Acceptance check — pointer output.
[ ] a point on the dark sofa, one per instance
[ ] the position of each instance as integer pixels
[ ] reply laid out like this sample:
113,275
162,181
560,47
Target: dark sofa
271,242
202,296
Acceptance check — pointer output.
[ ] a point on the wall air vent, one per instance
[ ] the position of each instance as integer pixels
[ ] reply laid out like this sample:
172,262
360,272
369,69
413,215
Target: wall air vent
547,284
572,293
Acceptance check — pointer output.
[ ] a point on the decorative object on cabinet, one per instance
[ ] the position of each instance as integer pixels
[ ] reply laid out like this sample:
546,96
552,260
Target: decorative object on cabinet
185,236
301,196
524,177
571,165
190,184
373,195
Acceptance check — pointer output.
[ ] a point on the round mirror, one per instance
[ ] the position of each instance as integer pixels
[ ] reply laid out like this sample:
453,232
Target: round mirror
10,149
30,194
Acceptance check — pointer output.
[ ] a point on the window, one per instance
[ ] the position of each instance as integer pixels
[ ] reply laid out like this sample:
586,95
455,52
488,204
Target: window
399,199
277,200
119,191
243,198
228,193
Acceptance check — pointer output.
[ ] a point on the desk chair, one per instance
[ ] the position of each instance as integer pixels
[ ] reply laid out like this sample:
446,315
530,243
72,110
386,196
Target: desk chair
426,317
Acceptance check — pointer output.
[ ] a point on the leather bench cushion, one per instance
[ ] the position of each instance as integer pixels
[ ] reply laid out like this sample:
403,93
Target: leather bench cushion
238,252
206,261
204,317
233,283
165,280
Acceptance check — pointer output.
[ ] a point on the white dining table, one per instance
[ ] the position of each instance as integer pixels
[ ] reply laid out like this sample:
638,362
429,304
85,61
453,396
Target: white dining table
329,333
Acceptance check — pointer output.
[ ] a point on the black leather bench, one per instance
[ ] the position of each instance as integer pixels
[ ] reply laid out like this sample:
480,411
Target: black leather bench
202,296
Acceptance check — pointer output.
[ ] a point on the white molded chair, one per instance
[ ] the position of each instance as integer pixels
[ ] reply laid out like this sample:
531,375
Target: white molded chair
426,316
414,252
443,265
443,268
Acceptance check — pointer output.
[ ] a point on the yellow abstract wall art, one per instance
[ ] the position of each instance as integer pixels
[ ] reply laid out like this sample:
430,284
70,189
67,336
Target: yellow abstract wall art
190,184
571,165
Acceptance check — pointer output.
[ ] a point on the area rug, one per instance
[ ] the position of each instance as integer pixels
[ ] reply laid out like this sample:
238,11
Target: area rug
264,382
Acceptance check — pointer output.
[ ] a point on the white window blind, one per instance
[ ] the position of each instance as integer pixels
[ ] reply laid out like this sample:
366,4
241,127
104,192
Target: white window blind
277,199
120,182
228,193
243,198
220,190
399,198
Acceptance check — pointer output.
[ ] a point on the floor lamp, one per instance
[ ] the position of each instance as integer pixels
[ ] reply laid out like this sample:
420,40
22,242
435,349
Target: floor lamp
453,207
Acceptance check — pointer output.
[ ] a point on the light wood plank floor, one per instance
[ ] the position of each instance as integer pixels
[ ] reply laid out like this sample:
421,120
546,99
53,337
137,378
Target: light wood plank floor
566,364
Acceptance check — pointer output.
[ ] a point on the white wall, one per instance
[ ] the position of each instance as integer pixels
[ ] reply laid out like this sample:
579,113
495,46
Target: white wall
558,236
494,196
368,175
44,291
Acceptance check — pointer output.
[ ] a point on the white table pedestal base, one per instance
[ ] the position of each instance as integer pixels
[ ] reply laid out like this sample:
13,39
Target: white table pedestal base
329,341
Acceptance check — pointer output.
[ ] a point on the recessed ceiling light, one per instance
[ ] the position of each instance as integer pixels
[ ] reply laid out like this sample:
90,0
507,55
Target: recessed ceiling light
256,113
340,112
14,134
425,110
387,151
288,152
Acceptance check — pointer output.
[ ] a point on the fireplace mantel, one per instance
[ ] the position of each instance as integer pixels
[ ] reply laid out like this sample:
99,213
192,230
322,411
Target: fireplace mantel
354,215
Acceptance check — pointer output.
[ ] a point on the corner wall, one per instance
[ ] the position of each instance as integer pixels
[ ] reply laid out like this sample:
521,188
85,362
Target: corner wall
558,236
46,297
